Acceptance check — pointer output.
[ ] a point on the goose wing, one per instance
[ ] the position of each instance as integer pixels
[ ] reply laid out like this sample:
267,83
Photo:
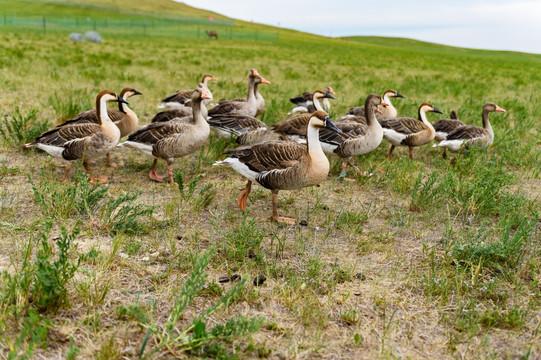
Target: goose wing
61,135
467,133
236,122
91,116
154,132
225,108
167,115
357,111
447,125
271,155
302,100
404,125
182,97
295,125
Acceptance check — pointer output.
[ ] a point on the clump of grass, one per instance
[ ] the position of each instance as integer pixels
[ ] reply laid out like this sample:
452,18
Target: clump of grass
68,106
121,214
243,239
196,339
203,198
19,128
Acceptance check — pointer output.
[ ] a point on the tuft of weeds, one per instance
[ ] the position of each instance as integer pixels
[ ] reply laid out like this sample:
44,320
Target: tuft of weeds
121,214
204,197
19,128
196,339
67,107
243,239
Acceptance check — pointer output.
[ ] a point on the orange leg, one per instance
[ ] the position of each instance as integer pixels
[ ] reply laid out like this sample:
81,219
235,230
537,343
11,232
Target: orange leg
153,174
68,167
241,199
411,152
109,162
170,171
274,215
101,179
390,153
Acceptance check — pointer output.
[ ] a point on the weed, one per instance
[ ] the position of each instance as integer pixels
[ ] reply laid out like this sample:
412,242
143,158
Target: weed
205,195
68,106
121,214
243,239
196,338
19,129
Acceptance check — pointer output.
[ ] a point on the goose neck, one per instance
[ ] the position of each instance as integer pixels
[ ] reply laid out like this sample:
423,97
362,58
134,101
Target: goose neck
486,122
101,109
312,141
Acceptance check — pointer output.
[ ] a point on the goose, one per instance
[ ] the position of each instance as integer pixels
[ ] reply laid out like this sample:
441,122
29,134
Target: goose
305,103
406,131
182,98
248,107
124,118
445,126
227,125
387,112
282,165
84,141
172,139
260,135
184,114
258,97
295,126
466,136
356,139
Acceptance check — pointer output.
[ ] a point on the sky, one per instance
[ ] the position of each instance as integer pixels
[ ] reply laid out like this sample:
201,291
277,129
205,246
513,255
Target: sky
482,24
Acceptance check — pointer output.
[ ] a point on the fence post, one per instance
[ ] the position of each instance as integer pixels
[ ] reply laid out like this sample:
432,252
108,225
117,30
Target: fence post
44,25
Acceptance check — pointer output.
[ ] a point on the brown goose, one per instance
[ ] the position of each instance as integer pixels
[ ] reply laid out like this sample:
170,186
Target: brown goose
306,104
466,136
260,135
172,139
444,127
405,131
183,114
295,126
182,98
124,118
279,165
387,112
227,125
84,141
356,139
258,97
248,107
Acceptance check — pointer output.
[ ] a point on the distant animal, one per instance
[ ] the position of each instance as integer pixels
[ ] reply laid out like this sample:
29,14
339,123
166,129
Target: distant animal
212,34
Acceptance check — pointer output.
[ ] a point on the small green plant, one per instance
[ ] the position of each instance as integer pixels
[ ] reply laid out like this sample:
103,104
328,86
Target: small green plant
243,239
196,338
19,128
51,276
121,214
67,107
32,335
203,198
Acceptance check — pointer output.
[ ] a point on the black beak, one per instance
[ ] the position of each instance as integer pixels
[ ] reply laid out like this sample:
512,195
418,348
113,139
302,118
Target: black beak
136,92
399,95
438,111
328,95
121,100
330,125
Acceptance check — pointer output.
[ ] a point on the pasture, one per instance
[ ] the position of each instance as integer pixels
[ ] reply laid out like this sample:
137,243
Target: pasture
424,259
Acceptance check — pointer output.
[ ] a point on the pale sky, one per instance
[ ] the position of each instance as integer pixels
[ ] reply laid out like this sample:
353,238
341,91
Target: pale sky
483,24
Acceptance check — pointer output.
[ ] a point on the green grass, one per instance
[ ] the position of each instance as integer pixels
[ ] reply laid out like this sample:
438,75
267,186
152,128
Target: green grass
422,260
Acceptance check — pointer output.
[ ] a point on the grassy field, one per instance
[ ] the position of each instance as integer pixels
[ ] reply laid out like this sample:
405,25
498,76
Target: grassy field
422,260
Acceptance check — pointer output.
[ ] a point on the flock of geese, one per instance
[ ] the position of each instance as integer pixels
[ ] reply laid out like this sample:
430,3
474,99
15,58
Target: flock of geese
285,156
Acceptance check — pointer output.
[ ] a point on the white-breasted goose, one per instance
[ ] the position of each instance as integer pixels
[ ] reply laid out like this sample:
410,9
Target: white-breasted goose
124,118
387,111
444,127
183,97
183,114
305,102
172,139
260,101
410,132
248,107
282,165
467,135
84,141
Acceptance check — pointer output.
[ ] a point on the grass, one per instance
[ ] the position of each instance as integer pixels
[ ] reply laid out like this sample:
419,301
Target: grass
422,260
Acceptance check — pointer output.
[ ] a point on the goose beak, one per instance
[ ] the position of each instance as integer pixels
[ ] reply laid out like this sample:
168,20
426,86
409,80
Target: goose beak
437,111
384,103
378,110
328,95
399,95
205,95
121,100
213,79
331,91
137,92
264,81
499,109
330,125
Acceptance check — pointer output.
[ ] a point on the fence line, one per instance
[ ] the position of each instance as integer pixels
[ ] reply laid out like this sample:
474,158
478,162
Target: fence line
134,27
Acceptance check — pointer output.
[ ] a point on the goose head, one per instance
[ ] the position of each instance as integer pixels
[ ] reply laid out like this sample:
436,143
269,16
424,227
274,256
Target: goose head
321,120
489,107
207,77
107,95
258,78
129,92
373,100
319,95
200,94
426,107
329,90
392,94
